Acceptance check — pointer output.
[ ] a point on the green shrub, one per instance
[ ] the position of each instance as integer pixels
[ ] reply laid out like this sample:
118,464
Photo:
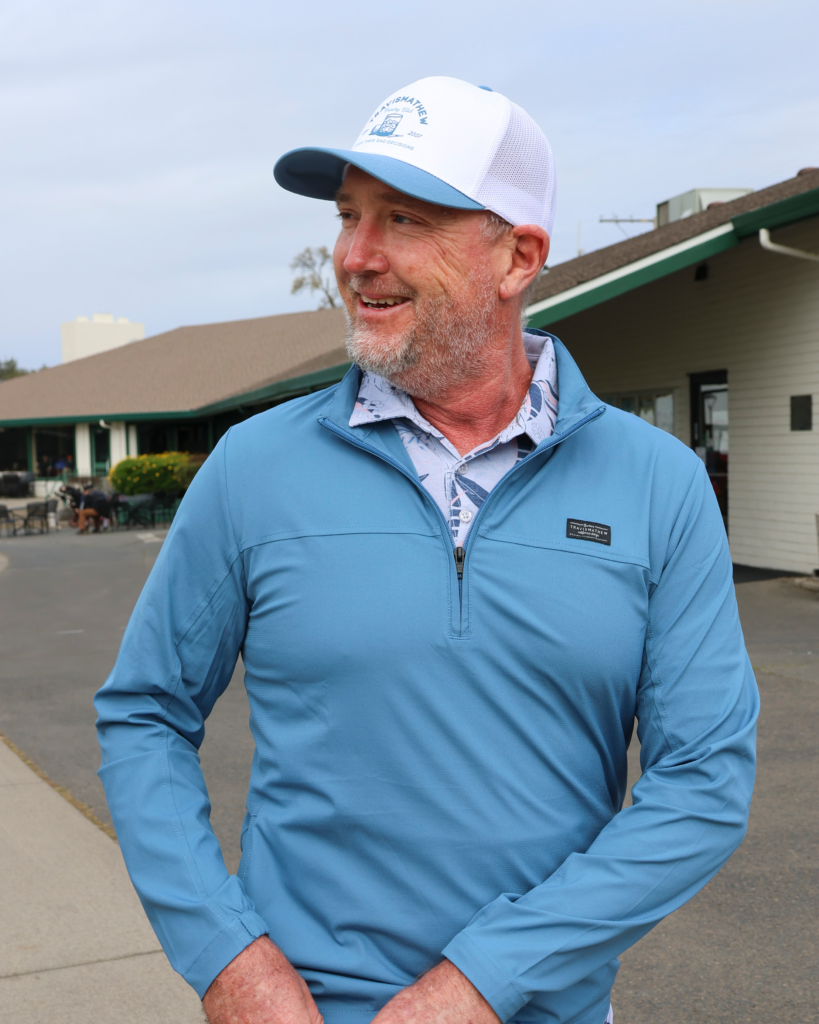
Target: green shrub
170,471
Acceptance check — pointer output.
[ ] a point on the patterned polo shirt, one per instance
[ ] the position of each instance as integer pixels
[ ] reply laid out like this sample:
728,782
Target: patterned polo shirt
460,484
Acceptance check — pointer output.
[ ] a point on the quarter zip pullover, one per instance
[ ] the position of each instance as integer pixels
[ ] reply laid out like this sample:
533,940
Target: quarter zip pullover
441,742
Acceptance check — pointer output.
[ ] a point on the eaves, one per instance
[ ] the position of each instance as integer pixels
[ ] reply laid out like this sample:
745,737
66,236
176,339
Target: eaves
676,257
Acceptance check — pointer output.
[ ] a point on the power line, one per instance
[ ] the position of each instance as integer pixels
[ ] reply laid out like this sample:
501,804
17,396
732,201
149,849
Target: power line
626,220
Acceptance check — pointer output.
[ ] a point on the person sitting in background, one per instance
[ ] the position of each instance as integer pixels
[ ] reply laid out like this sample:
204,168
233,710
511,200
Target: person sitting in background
94,508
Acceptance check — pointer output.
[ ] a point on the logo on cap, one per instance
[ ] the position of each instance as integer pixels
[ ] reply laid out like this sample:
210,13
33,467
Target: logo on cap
388,125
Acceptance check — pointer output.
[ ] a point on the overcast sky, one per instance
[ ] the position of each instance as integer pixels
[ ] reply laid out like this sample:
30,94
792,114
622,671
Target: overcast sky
137,139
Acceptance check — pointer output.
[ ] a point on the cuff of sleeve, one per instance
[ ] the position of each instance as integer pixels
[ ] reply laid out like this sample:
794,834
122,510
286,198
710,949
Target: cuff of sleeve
497,989
228,944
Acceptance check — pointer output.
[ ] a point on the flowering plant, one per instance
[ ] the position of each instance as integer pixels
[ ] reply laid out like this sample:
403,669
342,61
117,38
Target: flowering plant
141,474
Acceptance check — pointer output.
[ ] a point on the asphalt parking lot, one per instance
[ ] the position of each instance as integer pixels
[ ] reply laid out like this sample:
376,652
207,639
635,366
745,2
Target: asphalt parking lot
745,949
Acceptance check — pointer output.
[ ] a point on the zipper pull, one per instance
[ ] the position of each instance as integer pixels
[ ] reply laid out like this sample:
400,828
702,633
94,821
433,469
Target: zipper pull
460,555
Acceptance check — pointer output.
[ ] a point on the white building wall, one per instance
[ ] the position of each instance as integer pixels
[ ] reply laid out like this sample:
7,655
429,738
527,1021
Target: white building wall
83,337
132,440
757,316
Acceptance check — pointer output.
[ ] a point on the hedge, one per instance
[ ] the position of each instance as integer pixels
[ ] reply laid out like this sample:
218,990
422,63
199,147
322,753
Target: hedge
170,471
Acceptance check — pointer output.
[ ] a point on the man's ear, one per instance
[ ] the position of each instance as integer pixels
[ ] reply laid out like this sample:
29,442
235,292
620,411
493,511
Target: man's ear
526,259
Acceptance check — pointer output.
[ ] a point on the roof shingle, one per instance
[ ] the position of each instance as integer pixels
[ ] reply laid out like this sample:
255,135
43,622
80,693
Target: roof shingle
180,370
602,261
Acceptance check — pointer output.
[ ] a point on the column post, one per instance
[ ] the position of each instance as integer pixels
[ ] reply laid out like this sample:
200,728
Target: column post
118,442
82,449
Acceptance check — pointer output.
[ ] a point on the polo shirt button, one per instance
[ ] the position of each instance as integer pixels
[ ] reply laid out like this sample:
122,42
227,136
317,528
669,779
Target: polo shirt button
465,515
461,468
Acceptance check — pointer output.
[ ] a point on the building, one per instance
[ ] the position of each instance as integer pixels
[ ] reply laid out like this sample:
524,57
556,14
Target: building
175,391
83,337
707,326
707,329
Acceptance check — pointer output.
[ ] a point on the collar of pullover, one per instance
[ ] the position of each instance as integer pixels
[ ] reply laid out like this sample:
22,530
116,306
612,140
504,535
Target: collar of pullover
577,402
378,400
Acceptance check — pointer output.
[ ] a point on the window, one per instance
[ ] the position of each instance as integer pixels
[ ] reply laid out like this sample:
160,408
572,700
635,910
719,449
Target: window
655,407
801,412
709,429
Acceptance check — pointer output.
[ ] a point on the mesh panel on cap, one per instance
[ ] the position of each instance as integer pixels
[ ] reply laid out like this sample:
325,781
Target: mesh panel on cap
520,183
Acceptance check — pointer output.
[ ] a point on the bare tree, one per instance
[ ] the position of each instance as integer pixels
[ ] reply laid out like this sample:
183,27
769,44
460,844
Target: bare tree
311,263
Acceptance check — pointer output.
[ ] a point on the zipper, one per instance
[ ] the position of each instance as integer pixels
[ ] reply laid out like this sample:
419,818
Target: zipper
460,557
460,553
425,494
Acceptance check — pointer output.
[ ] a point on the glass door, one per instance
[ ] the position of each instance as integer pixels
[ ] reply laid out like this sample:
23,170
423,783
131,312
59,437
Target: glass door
709,430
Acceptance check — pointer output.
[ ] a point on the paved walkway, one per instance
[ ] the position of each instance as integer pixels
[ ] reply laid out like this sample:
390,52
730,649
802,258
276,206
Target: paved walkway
75,945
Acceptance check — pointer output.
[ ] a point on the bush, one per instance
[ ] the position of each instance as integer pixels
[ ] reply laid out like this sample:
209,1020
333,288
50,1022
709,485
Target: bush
170,471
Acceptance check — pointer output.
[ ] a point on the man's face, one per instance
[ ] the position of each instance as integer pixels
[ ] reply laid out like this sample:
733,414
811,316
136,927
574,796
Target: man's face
419,281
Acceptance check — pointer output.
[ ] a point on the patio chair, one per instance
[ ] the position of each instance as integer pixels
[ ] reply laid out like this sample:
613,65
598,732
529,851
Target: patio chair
136,510
7,521
37,512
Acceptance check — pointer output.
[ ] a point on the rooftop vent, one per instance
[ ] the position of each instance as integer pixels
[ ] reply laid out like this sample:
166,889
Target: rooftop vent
695,201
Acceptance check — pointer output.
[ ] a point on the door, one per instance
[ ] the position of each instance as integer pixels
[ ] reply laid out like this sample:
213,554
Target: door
709,430
100,450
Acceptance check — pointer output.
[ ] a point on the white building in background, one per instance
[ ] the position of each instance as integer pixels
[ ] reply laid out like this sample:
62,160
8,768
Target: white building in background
707,327
83,337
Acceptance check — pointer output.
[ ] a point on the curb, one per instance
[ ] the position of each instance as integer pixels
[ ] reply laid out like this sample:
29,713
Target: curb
66,794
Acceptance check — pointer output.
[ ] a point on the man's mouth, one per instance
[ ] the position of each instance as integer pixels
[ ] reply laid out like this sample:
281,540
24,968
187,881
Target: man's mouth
382,302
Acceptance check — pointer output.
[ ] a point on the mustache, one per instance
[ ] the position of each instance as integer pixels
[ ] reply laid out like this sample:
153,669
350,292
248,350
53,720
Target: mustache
369,283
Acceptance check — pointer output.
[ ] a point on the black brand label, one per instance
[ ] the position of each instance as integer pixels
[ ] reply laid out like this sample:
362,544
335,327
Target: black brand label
579,529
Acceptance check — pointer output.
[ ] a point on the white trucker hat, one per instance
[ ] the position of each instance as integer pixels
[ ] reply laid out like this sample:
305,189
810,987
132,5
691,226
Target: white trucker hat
447,142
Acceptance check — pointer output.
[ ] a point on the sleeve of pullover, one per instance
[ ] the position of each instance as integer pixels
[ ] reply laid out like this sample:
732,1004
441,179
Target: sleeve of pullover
697,705
177,657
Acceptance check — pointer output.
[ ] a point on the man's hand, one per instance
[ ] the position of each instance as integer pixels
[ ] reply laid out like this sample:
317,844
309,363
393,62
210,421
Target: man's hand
260,987
442,996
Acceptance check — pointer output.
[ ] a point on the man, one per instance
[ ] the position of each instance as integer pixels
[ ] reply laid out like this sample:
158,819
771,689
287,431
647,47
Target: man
455,579
94,509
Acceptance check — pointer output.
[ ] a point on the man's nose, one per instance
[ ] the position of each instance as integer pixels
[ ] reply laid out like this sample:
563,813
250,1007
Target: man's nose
366,252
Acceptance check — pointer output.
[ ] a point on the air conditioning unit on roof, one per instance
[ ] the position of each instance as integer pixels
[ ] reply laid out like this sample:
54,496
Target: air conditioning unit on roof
695,201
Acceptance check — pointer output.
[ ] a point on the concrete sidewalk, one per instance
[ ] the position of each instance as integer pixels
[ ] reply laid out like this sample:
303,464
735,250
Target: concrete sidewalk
75,945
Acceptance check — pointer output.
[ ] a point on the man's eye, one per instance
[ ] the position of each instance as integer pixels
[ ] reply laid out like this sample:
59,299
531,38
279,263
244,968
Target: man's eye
402,218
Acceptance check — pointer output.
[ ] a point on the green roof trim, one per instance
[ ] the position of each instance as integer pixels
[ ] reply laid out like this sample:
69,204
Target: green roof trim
280,390
676,257
777,215
633,275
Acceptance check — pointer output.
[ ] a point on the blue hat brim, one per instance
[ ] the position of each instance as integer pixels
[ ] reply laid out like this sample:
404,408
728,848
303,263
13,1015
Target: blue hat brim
318,173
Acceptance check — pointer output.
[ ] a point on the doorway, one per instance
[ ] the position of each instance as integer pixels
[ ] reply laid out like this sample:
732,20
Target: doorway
709,430
100,450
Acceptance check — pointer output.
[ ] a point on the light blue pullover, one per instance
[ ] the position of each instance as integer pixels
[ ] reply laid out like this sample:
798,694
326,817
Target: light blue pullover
440,764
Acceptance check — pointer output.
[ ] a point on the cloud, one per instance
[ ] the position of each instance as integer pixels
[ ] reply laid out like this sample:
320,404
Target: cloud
139,138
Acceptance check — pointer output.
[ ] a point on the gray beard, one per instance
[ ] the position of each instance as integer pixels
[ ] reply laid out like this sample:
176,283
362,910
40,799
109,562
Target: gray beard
446,346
